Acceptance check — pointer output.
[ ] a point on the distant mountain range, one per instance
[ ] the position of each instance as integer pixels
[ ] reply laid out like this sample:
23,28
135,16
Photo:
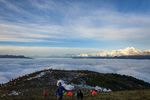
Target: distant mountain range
127,53
14,56
115,57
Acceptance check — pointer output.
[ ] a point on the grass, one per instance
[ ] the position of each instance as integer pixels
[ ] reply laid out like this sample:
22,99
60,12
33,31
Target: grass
119,95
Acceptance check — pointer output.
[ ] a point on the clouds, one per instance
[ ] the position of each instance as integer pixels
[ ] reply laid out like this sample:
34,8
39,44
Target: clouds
38,51
29,33
53,23
135,68
41,51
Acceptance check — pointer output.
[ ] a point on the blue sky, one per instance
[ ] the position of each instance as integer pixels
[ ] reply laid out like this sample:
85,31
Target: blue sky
74,24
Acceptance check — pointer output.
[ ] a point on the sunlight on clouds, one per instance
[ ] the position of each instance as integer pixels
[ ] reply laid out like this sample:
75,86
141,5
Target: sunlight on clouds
67,52
43,51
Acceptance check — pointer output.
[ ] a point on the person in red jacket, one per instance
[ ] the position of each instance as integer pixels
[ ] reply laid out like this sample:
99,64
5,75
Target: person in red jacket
45,94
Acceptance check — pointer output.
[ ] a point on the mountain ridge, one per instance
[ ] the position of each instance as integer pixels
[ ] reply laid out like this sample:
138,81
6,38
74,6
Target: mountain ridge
115,82
31,86
14,56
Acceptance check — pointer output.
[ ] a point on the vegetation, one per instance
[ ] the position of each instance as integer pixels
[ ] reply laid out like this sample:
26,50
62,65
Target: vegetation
36,94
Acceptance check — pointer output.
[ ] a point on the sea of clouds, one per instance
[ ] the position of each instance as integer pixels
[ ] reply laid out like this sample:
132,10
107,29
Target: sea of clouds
12,68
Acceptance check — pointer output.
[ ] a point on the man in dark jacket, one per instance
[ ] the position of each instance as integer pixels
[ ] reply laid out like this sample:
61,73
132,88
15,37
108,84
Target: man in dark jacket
60,91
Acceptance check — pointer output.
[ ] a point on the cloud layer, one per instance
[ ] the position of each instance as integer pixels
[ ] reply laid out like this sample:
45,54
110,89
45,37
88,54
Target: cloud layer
136,68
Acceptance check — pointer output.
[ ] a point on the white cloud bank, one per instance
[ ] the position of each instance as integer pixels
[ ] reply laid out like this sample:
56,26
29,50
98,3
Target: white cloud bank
136,68
38,51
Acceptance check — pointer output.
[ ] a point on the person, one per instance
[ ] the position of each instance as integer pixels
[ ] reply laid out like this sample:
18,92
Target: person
60,91
79,95
45,94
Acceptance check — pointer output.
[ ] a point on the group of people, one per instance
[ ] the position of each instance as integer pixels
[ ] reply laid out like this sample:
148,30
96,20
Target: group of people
60,92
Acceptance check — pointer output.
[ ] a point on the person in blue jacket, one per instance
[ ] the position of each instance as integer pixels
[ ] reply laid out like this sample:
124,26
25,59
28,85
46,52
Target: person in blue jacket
60,91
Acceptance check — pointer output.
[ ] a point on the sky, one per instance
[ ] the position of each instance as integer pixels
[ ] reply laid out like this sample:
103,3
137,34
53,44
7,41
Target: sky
61,27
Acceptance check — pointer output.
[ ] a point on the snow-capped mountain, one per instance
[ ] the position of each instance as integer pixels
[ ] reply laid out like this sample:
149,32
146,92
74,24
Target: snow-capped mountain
129,51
